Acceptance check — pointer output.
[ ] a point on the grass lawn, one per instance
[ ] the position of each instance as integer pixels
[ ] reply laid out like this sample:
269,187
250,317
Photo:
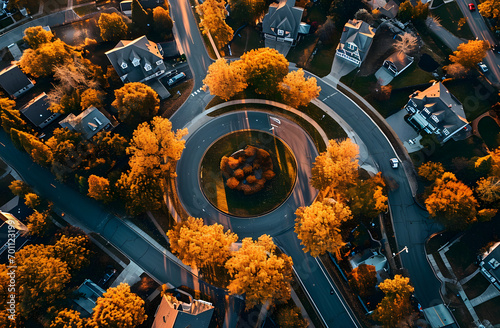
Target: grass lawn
475,94
321,64
489,131
247,39
85,10
461,257
449,16
489,311
302,51
476,286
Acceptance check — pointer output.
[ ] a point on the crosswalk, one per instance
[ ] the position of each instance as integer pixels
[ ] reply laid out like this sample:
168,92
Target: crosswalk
194,93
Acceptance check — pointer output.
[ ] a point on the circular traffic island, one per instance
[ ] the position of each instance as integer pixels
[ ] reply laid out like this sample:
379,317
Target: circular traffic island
247,173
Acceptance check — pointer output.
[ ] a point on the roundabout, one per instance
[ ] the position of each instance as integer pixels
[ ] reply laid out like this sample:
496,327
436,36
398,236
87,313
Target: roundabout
203,192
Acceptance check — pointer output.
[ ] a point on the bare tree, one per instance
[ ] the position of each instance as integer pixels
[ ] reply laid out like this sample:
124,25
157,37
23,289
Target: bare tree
406,42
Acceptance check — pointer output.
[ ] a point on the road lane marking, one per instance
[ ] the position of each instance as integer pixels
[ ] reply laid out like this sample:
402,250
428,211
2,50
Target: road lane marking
52,185
2,144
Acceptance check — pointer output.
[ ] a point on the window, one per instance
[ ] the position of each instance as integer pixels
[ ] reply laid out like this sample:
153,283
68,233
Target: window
281,32
434,118
446,132
136,61
147,67
159,62
124,65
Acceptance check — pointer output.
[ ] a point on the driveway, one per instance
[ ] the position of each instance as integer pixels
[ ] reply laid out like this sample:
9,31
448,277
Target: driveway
404,131
340,67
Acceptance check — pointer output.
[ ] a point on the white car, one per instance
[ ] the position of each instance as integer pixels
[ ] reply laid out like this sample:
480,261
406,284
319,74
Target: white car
394,163
483,67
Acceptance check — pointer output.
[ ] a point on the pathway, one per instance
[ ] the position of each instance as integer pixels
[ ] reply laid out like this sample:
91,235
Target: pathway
488,294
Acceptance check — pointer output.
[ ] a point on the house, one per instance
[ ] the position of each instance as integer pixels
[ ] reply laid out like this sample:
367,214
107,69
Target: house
139,60
371,257
87,123
390,9
90,293
490,265
14,81
174,313
393,65
126,6
13,233
436,111
281,25
355,41
37,111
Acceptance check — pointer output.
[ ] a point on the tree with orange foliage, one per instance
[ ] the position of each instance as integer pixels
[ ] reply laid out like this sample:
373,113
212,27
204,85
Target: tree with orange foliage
213,14
259,273
41,61
68,318
452,202
367,198
337,167
431,171
36,35
395,305
488,189
38,223
99,188
136,102
199,245
363,279
118,307
112,27
225,79
247,11
470,54
297,90
266,68
318,226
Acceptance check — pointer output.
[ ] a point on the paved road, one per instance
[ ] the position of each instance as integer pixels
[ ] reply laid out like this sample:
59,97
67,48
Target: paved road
96,217
446,36
482,32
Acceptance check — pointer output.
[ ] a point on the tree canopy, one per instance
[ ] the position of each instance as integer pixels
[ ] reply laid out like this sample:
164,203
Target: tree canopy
212,15
363,279
10,116
136,102
225,79
140,17
99,188
41,61
36,35
367,198
489,8
112,27
68,318
470,54
298,90
318,226
395,305
266,68
162,22
247,11
431,171
259,273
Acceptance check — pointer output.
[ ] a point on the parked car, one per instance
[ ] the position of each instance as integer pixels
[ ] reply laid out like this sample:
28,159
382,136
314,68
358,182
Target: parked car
176,78
472,7
482,66
394,163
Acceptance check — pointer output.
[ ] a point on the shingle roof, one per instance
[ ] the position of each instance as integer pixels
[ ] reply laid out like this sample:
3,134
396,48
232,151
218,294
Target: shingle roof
37,111
88,122
283,16
12,79
360,33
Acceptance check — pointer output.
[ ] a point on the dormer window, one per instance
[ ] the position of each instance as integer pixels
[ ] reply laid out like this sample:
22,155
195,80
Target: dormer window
123,65
281,32
159,62
136,61
147,67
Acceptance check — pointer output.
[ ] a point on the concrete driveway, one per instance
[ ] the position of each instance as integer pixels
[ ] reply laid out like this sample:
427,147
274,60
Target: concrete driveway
340,67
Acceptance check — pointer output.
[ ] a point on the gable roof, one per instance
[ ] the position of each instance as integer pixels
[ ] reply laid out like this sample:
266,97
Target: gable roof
283,16
12,79
440,108
37,111
360,34
88,122
146,52
176,314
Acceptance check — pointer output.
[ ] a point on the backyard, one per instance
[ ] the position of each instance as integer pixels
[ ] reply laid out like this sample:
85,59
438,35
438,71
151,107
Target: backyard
450,17
489,130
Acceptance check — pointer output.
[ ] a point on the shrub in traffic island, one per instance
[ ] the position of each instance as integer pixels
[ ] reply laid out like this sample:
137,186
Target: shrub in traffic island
247,169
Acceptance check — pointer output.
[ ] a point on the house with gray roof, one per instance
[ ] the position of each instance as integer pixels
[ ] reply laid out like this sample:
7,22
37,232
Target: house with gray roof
37,111
355,42
394,65
436,111
89,292
139,60
490,265
14,81
281,25
87,123
188,312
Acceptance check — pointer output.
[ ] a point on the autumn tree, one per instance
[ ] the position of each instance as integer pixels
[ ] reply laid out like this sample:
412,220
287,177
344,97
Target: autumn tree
92,97
288,316
266,68
19,188
470,54
318,226
5,312
99,188
225,79
367,198
68,318
489,8
406,43
431,171
73,251
40,277
32,200
118,308
136,102
139,16
199,245
141,190
298,90
112,27
405,11
259,273
456,70
363,279
326,31
38,223
488,190
10,116
212,15
343,10
452,202
395,305
162,22
41,61
108,146
67,150
337,167
39,152
247,11
36,35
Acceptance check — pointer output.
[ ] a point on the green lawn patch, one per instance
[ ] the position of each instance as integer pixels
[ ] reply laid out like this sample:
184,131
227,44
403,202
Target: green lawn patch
247,39
489,130
302,51
85,10
476,286
475,94
489,311
321,63
461,256
449,16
